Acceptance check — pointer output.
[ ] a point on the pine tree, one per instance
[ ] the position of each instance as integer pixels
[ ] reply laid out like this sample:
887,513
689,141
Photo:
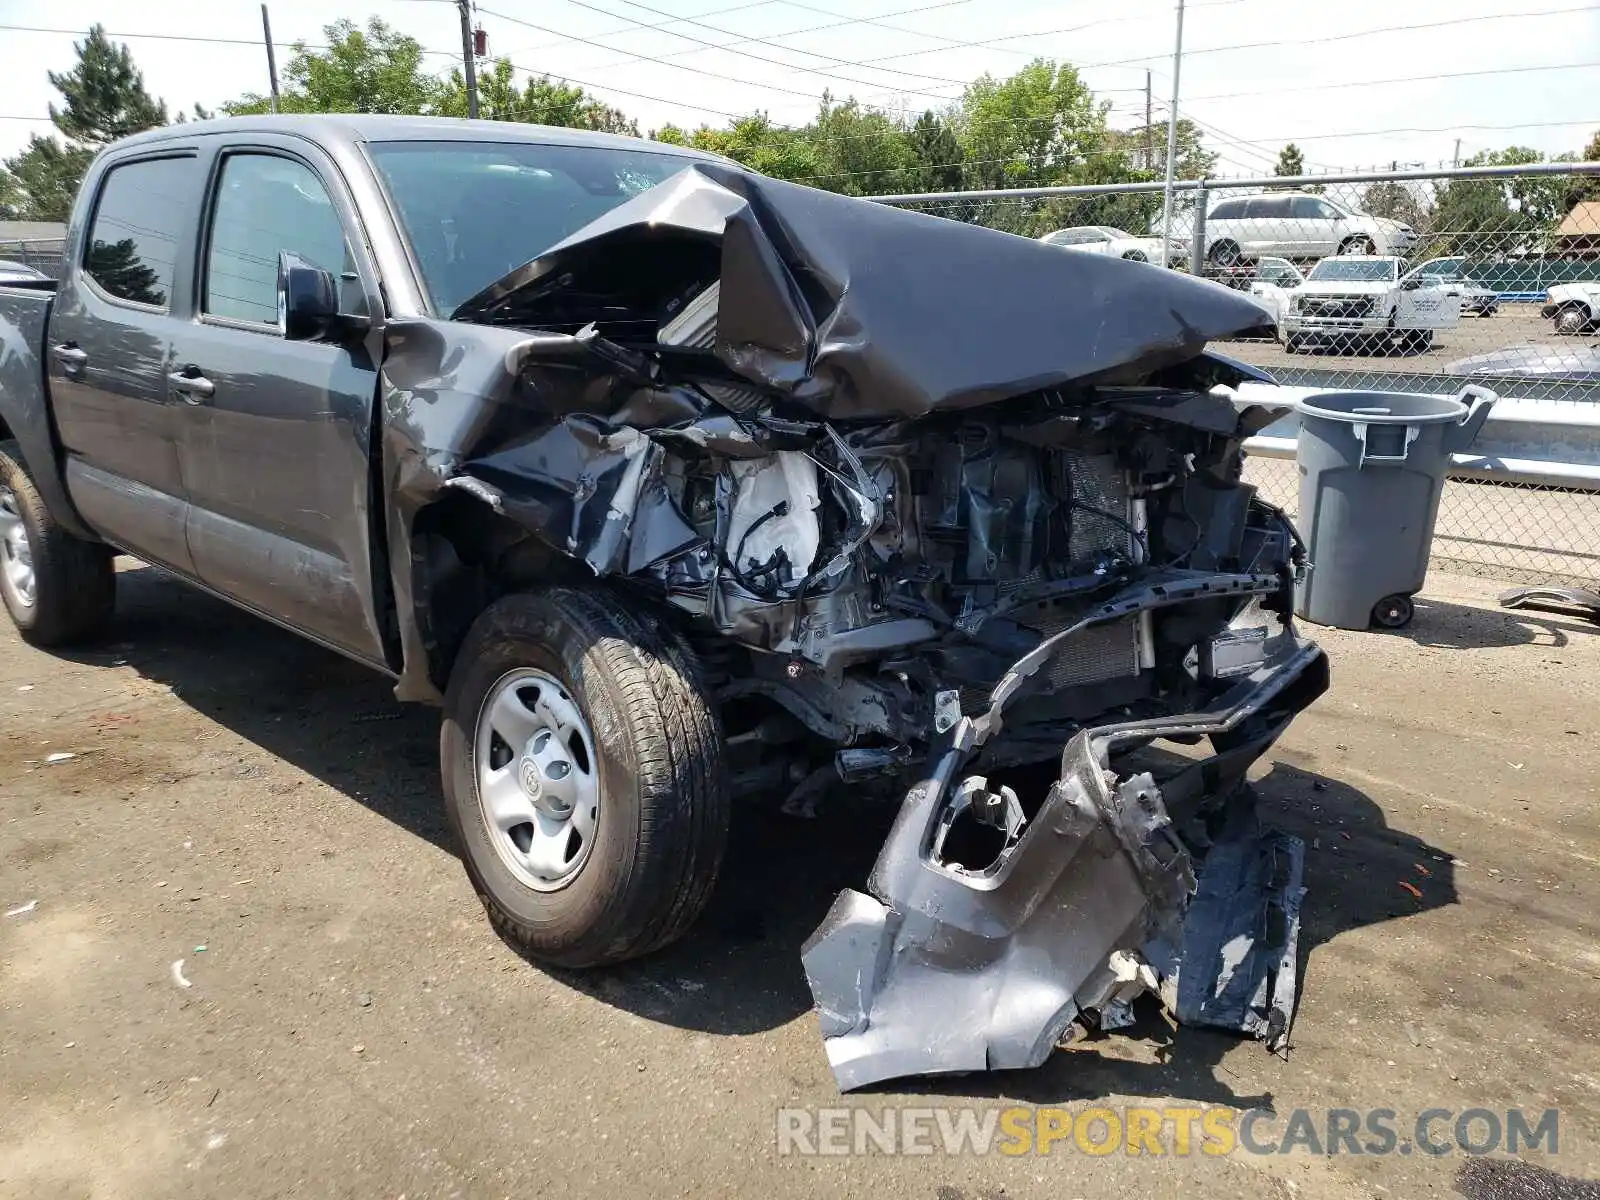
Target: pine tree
1290,161
104,99
104,94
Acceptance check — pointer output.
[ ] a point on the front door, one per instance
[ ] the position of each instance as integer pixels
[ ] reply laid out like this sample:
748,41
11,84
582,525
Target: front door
276,451
109,355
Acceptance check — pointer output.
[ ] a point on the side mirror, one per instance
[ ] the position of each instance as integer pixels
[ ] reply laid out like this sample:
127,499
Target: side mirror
308,299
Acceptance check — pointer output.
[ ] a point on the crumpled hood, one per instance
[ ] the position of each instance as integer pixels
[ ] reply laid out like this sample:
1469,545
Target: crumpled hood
861,310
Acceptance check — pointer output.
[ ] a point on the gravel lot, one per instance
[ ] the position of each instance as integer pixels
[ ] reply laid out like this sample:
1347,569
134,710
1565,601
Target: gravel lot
354,1028
1513,325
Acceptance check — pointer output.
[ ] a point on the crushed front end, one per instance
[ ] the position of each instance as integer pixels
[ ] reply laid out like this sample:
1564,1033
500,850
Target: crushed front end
954,521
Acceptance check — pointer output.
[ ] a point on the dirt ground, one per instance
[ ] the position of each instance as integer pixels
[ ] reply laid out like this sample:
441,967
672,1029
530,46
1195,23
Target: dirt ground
262,810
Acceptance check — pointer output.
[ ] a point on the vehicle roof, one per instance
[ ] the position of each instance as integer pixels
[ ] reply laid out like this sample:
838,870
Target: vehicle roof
327,128
1388,258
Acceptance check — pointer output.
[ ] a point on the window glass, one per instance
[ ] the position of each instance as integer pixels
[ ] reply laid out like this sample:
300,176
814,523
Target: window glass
1228,210
137,223
265,204
473,211
1310,209
1275,206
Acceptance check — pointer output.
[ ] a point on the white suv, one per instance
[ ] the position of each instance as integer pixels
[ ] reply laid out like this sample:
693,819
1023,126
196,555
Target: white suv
1294,225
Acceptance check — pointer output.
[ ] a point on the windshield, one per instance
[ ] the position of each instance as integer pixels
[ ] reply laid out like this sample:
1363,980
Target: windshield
1353,270
472,211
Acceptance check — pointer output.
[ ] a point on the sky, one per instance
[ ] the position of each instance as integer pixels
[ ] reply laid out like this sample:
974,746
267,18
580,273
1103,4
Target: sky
1344,81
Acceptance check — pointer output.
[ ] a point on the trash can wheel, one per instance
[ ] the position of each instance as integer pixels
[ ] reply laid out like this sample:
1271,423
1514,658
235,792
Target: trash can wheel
1393,612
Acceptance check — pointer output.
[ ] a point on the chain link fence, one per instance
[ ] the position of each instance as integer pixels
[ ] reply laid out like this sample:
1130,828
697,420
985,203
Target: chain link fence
1409,281
42,255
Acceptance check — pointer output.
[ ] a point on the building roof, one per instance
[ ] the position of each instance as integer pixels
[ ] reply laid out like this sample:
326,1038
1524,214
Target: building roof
31,231
1582,221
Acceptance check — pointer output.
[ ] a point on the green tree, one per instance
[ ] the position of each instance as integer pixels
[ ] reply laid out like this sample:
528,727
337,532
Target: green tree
1290,161
936,155
859,151
103,98
540,101
371,70
1397,202
39,184
1036,127
1483,218
775,150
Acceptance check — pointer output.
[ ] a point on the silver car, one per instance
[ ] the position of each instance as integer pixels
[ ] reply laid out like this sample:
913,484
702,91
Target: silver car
1293,225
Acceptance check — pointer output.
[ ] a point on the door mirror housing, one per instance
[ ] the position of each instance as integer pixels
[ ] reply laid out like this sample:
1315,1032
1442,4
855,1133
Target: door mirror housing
308,299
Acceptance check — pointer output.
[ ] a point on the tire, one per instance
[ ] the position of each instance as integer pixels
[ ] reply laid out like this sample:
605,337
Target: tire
1223,254
1135,256
1393,612
1292,344
1420,341
1360,244
58,589
1573,319
649,750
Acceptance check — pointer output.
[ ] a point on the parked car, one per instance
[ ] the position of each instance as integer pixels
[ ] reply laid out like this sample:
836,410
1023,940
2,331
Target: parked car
1574,307
15,272
678,487
1103,239
1452,276
1273,282
1371,300
1561,364
1294,225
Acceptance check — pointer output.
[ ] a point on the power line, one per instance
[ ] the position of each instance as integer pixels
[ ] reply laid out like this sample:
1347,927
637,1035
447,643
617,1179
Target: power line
771,87
842,62
700,70
1318,87
255,43
1346,37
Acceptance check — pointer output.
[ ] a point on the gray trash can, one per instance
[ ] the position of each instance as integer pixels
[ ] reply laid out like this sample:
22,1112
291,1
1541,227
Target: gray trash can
1372,465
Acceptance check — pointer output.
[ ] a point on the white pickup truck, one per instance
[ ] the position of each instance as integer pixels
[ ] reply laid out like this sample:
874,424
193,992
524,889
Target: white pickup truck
1575,306
1371,300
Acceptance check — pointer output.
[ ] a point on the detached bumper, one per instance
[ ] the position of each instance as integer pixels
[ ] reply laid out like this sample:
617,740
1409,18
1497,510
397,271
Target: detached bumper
947,969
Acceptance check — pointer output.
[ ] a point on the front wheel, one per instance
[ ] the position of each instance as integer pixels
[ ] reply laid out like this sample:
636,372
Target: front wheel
1356,245
1224,254
1135,256
57,588
1572,320
583,774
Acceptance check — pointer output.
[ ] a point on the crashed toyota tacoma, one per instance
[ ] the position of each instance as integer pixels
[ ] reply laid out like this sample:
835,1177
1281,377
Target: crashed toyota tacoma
679,487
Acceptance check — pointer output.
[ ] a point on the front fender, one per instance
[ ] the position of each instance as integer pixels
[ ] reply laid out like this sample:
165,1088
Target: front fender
24,405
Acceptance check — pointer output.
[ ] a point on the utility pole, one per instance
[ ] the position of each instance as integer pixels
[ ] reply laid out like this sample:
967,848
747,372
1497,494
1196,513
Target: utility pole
468,59
1149,131
272,62
1172,141
1456,161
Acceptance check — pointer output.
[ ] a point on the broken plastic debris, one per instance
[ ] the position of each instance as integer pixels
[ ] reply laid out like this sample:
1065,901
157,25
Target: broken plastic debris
27,687
199,949
60,756
1422,868
23,909
1415,891
178,976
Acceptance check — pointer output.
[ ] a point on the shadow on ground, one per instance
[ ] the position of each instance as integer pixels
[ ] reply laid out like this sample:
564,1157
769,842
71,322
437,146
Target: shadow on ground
739,970
1438,623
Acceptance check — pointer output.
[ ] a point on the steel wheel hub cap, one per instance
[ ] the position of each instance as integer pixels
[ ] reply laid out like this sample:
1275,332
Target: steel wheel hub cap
538,779
16,555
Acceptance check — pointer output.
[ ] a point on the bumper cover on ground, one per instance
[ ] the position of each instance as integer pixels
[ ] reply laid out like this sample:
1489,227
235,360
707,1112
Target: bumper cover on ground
945,969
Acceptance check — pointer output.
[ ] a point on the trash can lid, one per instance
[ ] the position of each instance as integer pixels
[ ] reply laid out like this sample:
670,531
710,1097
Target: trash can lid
1383,408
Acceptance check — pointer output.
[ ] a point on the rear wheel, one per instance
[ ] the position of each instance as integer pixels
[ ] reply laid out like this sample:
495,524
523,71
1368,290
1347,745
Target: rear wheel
1135,256
1224,254
58,588
1360,244
1419,341
583,774
1572,319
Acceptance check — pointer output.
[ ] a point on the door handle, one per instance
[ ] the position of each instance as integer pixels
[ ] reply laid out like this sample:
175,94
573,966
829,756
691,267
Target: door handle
69,356
194,388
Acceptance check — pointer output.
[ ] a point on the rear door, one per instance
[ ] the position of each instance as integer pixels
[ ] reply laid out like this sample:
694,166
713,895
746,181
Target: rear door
1269,227
110,349
277,440
1316,227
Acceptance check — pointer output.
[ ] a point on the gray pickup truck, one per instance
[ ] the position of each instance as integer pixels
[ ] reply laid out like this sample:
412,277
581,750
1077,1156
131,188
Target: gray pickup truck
677,486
